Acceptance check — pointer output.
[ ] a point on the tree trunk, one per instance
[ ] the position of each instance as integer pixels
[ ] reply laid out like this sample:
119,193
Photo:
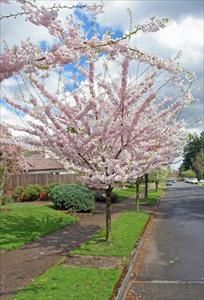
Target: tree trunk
146,186
156,186
2,189
108,213
137,195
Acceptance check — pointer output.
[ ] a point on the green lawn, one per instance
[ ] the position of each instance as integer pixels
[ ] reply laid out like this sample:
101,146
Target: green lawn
73,283
123,194
22,223
126,230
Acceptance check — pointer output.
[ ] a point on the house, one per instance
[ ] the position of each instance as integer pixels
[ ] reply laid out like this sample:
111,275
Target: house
38,164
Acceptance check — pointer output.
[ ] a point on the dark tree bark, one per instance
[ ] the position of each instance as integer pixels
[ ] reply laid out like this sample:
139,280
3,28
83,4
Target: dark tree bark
156,185
146,186
137,200
108,213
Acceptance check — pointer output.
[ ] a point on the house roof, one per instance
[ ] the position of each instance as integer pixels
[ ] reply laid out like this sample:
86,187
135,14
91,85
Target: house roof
41,163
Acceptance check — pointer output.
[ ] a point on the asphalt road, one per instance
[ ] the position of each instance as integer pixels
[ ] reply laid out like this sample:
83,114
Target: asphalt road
170,265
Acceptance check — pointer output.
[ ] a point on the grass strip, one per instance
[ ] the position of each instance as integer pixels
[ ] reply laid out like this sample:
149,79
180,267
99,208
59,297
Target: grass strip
153,197
130,192
126,193
22,223
126,230
73,283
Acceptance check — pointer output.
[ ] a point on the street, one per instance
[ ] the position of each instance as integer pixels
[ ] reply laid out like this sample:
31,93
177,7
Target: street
170,265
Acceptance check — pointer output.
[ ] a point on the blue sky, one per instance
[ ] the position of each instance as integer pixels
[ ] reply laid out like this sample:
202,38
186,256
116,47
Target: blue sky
91,27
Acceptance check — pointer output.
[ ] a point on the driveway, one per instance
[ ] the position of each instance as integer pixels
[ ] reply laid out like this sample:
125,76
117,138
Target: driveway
170,265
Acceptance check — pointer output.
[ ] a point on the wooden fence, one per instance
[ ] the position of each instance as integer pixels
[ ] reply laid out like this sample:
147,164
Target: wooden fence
42,179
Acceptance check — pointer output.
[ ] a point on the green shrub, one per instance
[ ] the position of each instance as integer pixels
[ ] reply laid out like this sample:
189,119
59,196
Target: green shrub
101,196
51,186
29,193
4,199
17,193
72,197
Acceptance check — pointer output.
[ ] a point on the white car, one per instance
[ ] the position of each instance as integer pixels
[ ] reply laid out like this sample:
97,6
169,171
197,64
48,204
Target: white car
194,180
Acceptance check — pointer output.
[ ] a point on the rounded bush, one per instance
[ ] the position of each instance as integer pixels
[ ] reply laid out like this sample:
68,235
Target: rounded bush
50,187
72,197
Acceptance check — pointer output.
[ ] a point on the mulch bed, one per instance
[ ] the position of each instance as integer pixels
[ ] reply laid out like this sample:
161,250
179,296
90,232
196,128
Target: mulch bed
99,262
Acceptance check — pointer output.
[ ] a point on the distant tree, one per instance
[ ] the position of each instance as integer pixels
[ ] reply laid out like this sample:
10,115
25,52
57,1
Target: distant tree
198,164
189,174
194,145
158,176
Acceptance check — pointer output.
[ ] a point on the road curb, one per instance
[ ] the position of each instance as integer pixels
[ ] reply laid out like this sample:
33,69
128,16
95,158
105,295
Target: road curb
122,291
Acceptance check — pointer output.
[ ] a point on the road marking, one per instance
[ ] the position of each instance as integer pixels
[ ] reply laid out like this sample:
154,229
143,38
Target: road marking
170,281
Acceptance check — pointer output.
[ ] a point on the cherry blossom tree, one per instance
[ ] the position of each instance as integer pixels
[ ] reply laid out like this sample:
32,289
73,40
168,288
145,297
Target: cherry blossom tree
111,125
106,129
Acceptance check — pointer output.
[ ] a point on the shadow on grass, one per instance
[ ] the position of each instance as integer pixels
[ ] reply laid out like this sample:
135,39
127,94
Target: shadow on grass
18,230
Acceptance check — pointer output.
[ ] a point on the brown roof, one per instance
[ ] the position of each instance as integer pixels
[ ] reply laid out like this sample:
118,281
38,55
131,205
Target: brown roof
42,163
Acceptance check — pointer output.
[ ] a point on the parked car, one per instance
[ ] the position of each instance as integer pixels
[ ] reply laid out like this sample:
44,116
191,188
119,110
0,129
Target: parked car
169,182
188,180
194,180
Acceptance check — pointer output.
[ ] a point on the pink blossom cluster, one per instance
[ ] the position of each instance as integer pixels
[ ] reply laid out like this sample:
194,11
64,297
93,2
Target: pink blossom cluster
153,25
12,160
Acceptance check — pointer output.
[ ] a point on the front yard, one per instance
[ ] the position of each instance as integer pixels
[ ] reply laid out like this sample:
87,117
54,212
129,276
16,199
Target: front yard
22,223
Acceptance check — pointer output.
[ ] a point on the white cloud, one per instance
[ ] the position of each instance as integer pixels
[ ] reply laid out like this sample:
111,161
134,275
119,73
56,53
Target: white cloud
116,13
186,35
187,32
15,30
10,117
